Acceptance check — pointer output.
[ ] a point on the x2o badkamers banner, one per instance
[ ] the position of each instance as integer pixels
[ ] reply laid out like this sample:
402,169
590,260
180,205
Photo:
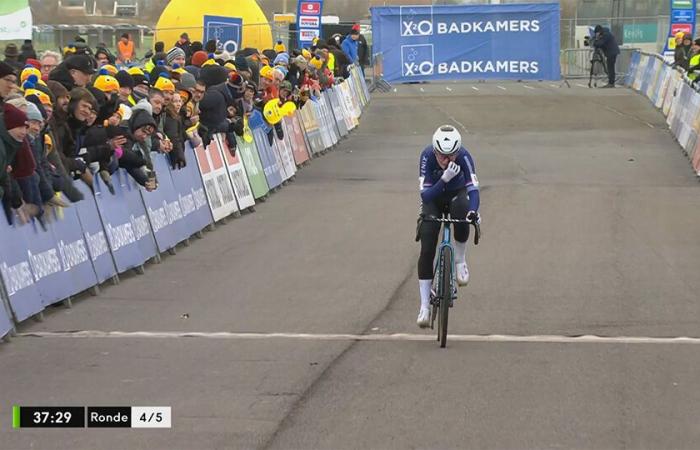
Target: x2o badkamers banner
421,43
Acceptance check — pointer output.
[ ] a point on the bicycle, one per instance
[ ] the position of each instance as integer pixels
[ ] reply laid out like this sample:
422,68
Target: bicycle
444,290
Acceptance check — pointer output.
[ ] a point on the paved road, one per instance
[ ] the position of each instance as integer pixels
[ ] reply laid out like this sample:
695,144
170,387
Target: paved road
590,215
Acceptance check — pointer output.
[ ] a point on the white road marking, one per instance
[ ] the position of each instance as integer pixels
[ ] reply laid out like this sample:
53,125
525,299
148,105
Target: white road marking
539,339
581,85
422,90
501,88
448,88
528,87
553,85
475,88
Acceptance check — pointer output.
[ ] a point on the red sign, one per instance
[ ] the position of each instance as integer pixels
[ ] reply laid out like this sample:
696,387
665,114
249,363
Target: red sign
681,27
311,8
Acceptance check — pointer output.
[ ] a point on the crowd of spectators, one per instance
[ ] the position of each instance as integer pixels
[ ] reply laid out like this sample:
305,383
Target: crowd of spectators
66,118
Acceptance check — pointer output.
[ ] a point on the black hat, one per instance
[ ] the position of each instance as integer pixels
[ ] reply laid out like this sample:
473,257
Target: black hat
82,63
697,41
125,79
598,28
241,63
11,50
212,74
6,69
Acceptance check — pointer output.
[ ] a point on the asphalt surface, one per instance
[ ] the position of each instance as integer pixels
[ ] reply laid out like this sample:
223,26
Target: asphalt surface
590,212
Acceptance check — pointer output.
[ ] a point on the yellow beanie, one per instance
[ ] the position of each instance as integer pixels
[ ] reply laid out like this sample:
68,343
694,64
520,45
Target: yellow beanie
106,82
27,71
164,84
279,47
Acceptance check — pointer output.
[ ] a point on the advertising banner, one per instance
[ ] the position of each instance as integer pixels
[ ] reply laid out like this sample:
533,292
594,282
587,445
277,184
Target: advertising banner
295,134
284,151
226,31
338,112
163,207
217,185
269,159
190,190
456,42
94,234
253,167
682,20
309,21
125,222
236,171
17,273
15,20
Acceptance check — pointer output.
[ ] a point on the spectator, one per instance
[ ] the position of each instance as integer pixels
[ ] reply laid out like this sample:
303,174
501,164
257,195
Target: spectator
694,63
362,49
137,150
75,71
23,165
103,57
682,53
605,41
175,132
126,86
279,47
342,62
27,51
176,55
49,61
296,71
210,46
349,46
12,57
43,171
8,80
125,49
185,45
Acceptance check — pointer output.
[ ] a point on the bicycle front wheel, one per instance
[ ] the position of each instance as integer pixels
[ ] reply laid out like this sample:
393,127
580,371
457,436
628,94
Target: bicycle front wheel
445,294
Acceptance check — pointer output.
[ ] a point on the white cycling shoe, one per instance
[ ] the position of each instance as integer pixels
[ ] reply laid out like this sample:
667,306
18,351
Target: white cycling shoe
462,274
423,320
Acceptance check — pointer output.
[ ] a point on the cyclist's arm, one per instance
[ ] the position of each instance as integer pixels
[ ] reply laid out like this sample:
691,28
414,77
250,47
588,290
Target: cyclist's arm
472,182
429,193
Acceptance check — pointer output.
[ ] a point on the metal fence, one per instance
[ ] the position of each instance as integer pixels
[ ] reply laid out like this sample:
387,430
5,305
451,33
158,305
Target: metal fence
576,62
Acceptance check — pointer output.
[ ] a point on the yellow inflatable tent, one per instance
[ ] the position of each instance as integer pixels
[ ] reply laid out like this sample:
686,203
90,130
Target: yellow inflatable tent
188,16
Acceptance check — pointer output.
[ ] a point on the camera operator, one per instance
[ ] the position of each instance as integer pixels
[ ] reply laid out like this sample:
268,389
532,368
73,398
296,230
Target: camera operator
605,41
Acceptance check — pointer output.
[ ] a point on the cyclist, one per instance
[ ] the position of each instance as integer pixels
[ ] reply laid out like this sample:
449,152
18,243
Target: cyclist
448,182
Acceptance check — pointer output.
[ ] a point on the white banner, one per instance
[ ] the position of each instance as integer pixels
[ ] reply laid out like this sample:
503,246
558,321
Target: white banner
237,173
15,20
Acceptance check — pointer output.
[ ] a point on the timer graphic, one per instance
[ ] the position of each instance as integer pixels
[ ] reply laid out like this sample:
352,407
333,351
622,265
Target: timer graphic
91,416
48,416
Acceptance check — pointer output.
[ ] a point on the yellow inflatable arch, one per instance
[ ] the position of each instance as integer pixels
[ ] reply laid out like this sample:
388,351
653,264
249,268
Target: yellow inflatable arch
188,16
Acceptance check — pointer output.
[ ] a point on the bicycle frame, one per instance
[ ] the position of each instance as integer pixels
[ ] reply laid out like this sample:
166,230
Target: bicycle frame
446,242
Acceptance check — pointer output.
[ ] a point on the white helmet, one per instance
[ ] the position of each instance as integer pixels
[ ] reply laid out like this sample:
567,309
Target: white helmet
447,140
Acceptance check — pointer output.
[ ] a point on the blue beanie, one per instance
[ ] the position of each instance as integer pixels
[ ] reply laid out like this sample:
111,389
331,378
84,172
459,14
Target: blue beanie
282,58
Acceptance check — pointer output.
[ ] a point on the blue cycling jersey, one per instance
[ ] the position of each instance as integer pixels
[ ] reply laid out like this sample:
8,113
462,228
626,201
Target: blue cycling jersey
431,184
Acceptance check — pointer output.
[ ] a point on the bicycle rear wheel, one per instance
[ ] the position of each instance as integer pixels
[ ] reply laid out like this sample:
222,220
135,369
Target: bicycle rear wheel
445,294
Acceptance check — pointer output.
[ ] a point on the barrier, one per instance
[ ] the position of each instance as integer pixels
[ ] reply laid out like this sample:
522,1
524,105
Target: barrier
220,196
254,169
106,234
237,175
293,130
270,162
193,199
673,93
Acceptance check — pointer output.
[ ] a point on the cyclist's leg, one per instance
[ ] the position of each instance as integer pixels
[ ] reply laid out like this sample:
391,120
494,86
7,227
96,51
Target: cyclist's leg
459,206
429,232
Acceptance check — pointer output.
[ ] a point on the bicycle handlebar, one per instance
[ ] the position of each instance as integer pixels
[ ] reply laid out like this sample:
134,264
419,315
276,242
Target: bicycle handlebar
477,228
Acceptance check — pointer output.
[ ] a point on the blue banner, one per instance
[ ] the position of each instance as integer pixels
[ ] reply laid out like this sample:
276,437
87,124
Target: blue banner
422,43
94,233
271,166
193,199
225,30
309,21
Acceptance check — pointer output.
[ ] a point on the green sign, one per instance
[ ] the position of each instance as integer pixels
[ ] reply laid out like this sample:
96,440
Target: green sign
639,33
253,167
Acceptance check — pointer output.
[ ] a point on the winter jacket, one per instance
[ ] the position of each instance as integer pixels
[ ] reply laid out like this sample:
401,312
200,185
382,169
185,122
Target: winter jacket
350,48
